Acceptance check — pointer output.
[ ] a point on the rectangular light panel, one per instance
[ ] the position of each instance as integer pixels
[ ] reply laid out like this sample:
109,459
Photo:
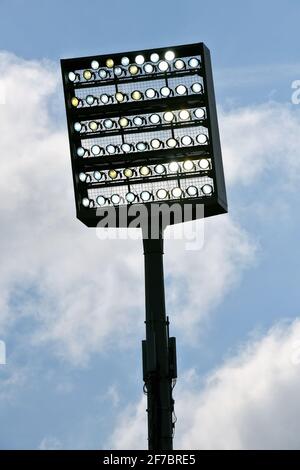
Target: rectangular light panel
143,129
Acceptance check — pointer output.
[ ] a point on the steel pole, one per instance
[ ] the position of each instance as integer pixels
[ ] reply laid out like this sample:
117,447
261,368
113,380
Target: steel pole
156,350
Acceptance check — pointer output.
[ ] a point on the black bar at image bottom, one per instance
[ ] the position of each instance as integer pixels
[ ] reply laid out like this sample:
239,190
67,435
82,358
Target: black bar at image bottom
132,459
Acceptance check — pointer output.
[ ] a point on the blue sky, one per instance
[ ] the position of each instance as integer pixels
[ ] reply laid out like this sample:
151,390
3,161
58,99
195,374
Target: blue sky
48,396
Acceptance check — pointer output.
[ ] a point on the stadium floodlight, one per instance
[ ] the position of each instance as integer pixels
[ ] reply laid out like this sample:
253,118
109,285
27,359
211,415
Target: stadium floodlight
143,133
108,96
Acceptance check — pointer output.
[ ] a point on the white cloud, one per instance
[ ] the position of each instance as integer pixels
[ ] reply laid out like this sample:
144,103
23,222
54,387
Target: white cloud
258,139
11,380
50,443
68,281
197,281
250,402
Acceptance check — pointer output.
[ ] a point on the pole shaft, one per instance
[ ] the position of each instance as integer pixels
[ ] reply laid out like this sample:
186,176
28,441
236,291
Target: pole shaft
158,381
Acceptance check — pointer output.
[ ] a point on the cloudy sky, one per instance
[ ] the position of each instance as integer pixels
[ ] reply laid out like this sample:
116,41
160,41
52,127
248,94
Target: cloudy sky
72,305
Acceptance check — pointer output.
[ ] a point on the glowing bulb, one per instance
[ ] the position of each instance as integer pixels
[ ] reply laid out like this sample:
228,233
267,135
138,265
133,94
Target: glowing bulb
103,73
97,175
148,68
123,122
110,63
145,196
161,194
87,74
77,126
196,87
193,62
184,115
115,199
72,76
90,99
188,165
75,101
93,125
186,140
85,202
80,151
163,66
138,121
126,148
150,93
181,90
104,98
133,70
199,113
141,146
95,64
172,142
101,200
119,97
154,119
111,149
130,197
154,57
82,177
108,123
140,59
207,189
118,71
136,95
155,143
201,139
169,55
169,116
174,167
179,64
176,192
192,191
145,171
204,164
165,91
128,172
96,150
125,61
159,169
112,174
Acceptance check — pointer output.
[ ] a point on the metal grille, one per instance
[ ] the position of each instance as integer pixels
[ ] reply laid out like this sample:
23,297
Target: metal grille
141,72
177,121
142,86
162,135
168,173
151,187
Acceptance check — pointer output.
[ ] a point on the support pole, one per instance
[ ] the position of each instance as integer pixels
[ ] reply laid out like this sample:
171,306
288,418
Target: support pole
159,359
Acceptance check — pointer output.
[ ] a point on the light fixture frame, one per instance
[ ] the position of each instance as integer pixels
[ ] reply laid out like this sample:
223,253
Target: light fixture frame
213,205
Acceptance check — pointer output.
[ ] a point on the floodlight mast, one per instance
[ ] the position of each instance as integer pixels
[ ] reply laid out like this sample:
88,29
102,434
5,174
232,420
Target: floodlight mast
159,359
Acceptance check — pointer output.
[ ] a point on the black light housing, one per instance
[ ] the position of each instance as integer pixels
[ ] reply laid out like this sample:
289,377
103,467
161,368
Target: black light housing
189,110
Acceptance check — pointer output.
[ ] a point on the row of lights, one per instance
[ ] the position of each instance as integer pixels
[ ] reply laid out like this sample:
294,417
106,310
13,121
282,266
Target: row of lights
140,65
144,171
137,121
136,95
148,196
142,146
